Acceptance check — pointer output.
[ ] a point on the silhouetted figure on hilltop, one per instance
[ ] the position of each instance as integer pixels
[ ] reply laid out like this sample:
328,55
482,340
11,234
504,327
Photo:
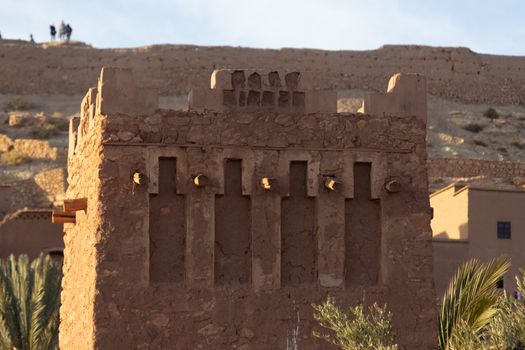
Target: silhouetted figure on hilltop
62,31
31,39
53,32
69,31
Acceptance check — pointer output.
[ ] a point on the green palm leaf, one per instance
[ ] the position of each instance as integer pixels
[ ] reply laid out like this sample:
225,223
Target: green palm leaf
470,303
29,303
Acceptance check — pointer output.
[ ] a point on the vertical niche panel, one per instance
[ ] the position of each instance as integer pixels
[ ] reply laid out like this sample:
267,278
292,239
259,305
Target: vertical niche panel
167,229
232,229
298,242
363,231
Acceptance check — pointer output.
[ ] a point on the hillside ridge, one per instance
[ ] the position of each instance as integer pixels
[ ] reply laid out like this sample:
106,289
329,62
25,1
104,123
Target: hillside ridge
457,74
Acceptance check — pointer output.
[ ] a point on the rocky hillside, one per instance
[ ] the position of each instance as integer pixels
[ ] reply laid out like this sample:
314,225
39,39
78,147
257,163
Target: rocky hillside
33,148
461,130
476,102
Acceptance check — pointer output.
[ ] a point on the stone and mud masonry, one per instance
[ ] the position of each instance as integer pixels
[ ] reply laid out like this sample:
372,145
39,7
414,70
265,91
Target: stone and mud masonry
217,227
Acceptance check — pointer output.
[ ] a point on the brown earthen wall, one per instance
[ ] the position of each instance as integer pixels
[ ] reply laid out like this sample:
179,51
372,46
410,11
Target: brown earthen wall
110,252
29,232
452,73
81,266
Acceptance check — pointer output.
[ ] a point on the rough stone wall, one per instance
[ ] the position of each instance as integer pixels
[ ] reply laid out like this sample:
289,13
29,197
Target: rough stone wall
449,167
452,73
280,270
220,316
77,325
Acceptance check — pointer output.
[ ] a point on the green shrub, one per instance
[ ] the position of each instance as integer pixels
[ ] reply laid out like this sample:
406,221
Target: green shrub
59,121
29,303
507,329
355,329
480,143
491,113
474,315
519,145
475,128
14,158
45,132
18,104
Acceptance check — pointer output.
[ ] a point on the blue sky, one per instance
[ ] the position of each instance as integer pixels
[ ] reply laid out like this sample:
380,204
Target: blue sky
485,26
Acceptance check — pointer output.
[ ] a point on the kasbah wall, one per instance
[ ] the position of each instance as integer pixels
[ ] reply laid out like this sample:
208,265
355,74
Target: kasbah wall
452,73
450,167
157,262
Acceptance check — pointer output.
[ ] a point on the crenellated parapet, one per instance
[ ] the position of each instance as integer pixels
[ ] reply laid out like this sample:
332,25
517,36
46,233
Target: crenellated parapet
116,93
406,96
251,90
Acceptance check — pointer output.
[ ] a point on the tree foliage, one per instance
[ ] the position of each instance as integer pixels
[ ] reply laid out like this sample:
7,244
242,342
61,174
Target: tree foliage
474,315
507,329
29,303
355,329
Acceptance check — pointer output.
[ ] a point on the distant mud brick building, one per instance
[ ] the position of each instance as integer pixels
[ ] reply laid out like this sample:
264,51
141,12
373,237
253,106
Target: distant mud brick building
477,221
215,228
30,231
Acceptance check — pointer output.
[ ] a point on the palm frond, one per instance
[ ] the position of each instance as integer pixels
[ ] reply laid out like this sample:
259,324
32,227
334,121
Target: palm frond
29,303
470,301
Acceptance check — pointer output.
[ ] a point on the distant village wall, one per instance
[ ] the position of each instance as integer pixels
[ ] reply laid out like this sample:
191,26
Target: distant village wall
452,73
449,167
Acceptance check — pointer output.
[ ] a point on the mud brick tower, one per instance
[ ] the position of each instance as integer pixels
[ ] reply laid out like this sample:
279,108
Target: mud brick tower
214,228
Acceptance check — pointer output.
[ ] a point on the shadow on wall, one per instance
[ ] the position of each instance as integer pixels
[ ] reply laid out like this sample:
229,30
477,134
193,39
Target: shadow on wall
462,230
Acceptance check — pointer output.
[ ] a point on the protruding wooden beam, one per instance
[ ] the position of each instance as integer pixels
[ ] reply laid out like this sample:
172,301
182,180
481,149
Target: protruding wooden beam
268,183
72,205
138,178
62,217
331,184
200,180
393,186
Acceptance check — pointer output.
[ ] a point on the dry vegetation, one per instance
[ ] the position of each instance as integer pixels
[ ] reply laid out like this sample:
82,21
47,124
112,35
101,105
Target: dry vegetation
18,104
14,158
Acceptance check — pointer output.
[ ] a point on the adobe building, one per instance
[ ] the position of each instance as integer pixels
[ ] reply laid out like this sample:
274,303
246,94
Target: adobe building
218,227
477,221
25,214
30,231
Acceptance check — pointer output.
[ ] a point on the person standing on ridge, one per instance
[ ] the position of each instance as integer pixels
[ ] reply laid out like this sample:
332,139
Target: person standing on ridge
62,31
53,32
69,31
31,39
